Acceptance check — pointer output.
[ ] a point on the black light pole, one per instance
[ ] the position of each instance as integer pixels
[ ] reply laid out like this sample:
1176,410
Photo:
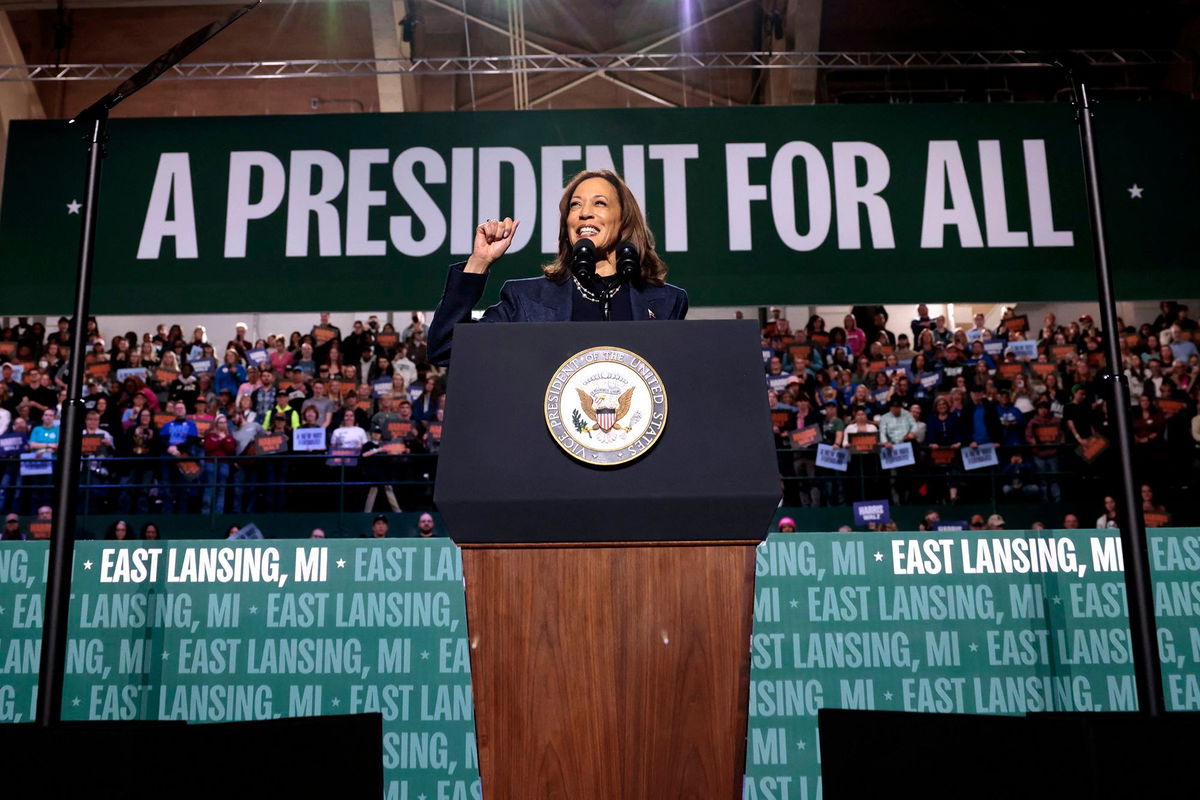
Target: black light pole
52,669
1146,666
62,539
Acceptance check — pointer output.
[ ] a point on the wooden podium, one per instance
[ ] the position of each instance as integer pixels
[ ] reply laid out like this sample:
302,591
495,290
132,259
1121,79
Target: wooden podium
609,610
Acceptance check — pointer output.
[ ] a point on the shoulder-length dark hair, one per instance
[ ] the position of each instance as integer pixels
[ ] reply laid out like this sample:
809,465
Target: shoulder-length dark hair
633,229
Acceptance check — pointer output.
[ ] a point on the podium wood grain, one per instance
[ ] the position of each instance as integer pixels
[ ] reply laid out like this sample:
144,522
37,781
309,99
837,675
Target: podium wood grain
614,672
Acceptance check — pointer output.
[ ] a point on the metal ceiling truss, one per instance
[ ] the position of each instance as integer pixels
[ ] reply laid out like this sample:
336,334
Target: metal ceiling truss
601,65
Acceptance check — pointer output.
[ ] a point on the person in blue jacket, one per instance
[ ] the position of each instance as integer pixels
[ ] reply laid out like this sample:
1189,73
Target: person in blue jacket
596,205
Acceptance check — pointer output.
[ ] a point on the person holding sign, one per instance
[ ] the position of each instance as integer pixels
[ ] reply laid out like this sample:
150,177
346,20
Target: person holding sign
97,447
219,448
612,282
181,440
1044,433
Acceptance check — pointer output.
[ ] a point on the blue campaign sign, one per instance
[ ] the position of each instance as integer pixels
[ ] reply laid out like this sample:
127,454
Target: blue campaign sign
204,366
930,380
982,456
833,457
868,511
308,439
898,455
952,525
12,443
993,347
1023,350
257,356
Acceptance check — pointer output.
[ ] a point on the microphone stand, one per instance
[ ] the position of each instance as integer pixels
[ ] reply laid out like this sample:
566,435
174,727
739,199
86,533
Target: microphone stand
94,119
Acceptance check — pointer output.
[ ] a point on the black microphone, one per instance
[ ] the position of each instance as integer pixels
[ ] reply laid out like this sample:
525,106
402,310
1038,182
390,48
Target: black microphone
629,261
583,261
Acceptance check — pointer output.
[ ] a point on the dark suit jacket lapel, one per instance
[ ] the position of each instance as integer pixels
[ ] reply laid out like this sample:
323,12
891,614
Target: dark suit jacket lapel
555,302
648,303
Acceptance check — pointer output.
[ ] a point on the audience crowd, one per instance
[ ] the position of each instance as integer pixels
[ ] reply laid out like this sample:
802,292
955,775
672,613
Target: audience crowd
1031,391
325,419
207,424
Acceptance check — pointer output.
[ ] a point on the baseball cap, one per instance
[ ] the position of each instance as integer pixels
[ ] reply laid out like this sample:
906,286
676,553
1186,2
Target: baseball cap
977,519
379,517
996,521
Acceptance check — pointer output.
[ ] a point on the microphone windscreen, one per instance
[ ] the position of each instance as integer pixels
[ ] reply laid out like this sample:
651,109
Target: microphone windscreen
629,261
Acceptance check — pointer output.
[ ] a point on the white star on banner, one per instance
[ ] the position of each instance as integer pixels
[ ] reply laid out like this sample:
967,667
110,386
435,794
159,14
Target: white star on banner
879,556
1,609
420,797
75,702
1057,600
974,648
87,565
253,609
165,655
335,702
341,562
794,603
1135,192
73,207
424,655
800,745
887,695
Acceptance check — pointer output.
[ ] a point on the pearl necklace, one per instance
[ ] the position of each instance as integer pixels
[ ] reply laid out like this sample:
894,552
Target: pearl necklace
591,296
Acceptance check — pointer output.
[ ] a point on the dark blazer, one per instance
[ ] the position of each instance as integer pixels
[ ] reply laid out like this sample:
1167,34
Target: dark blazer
532,300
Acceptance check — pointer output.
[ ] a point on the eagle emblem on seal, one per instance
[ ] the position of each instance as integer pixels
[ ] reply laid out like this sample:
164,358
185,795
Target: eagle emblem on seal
600,410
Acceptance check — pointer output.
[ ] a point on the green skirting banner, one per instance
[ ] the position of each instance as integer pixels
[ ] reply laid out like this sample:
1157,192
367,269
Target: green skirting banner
1006,623
797,205
224,632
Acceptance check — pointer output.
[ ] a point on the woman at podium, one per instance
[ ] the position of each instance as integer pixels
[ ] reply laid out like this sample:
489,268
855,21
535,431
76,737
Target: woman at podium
606,268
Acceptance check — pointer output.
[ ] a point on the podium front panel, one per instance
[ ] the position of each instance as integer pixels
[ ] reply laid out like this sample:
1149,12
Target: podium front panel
711,475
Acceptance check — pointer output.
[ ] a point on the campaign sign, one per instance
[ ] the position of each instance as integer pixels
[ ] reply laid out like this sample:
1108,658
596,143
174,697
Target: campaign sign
952,525
833,457
1023,350
131,372
257,356
930,380
993,347
382,387
308,439
804,437
974,334
898,455
868,511
982,456
36,464
203,366
11,443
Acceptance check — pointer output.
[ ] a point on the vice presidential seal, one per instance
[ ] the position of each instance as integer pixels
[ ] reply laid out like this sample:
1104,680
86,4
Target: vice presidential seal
605,405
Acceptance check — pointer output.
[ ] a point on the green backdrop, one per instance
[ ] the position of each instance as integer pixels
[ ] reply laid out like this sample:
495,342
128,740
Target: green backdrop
827,204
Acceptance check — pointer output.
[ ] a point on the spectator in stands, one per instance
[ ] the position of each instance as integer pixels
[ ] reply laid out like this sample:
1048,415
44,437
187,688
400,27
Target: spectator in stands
379,527
219,448
12,529
856,338
944,432
1070,522
139,444
377,470
181,442
425,526
1109,518
995,523
1017,480
1044,433
97,458
321,402
306,363
118,531
981,423
231,374
425,407
1149,424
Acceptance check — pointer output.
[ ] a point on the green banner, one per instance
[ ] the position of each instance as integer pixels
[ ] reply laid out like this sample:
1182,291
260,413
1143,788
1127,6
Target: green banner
1012,623
224,632
826,204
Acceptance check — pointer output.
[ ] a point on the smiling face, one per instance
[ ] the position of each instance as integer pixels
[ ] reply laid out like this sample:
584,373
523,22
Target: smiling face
594,212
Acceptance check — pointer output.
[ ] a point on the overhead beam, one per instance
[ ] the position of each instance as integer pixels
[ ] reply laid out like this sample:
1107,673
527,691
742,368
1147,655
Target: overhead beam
801,31
18,100
654,45
397,92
